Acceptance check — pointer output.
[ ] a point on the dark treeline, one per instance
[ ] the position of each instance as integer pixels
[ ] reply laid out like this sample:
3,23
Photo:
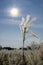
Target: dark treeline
33,46
7,48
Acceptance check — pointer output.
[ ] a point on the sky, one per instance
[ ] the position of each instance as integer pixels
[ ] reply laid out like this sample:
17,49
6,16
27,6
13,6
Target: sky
10,34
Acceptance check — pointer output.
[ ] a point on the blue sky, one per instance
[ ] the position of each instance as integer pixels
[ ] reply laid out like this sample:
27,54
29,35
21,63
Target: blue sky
10,34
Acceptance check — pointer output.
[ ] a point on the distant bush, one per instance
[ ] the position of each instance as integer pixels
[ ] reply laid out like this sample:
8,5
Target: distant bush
0,47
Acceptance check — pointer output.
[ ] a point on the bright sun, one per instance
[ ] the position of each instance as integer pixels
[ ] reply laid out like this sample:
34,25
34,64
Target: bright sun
14,12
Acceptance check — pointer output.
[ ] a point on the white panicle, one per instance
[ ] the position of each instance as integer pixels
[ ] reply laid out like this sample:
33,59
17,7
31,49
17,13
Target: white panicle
26,23
33,19
22,24
27,20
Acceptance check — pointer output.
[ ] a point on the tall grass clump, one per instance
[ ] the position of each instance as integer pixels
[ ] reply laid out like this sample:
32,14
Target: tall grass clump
15,57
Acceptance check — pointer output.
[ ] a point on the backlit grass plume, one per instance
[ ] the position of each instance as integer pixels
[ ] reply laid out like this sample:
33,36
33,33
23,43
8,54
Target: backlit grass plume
25,24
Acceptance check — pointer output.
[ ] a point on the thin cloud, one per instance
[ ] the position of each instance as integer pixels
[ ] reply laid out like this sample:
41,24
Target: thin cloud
37,25
10,21
16,21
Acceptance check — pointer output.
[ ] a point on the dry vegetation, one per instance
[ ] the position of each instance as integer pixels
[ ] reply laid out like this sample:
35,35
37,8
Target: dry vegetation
14,57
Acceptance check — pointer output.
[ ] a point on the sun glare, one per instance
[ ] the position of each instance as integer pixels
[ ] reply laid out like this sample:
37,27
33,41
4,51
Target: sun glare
14,12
